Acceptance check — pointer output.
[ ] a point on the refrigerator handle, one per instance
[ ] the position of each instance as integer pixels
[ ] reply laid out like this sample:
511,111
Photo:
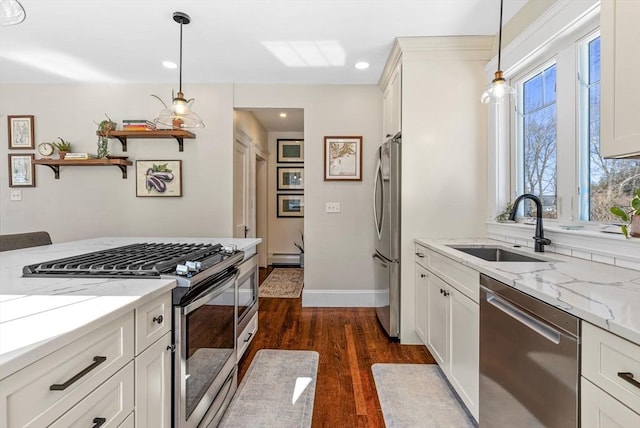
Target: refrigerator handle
378,221
380,260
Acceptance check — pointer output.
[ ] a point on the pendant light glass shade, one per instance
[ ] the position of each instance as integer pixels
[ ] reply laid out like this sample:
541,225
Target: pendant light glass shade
11,12
498,89
179,115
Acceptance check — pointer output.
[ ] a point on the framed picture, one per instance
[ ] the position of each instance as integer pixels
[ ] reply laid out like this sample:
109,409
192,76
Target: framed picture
159,178
290,178
22,171
290,151
290,205
343,158
21,132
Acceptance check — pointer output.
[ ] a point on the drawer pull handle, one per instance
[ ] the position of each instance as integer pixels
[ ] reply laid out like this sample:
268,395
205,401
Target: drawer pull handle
420,255
248,338
629,378
62,386
158,319
98,422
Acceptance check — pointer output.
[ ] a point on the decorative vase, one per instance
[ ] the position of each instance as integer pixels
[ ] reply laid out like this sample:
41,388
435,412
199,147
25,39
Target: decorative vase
62,154
103,147
634,227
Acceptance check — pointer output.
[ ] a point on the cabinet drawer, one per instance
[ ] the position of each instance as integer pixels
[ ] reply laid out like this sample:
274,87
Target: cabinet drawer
129,422
112,401
245,338
607,360
26,398
422,256
600,410
465,279
153,320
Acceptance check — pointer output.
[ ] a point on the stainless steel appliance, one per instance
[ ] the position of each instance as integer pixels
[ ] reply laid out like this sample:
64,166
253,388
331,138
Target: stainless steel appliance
529,360
204,318
386,214
247,295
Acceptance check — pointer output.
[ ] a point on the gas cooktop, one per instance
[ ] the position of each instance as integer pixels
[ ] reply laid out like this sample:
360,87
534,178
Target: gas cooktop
141,260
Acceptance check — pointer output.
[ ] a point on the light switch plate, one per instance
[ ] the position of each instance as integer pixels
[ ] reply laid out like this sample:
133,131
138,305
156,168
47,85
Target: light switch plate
16,195
333,207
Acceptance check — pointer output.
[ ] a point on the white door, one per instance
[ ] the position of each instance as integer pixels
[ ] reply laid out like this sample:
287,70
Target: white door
261,221
240,189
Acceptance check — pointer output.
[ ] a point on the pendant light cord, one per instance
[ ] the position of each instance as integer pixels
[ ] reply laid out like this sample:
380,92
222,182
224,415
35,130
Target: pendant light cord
180,71
499,35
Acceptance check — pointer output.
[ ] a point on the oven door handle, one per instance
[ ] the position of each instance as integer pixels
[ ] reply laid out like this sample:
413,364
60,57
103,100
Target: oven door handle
209,293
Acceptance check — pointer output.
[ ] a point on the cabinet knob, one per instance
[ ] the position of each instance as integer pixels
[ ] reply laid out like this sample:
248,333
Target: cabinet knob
158,319
422,275
420,255
441,291
446,293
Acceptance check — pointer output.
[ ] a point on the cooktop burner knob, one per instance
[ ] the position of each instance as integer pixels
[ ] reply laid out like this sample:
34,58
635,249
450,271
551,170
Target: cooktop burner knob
182,270
194,266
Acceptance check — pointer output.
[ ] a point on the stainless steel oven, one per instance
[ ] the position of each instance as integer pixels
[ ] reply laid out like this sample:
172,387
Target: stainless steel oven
247,286
205,373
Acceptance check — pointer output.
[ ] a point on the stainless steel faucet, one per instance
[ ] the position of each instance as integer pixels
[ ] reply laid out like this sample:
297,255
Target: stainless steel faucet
540,240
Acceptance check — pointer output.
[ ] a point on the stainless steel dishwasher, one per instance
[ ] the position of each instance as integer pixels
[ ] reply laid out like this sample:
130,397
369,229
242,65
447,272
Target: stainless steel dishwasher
529,360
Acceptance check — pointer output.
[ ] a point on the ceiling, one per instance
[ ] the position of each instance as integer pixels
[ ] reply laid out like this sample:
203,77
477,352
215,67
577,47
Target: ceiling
227,41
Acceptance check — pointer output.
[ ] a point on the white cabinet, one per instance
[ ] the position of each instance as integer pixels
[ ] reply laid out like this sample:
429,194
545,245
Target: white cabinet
246,336
610,379
153,385
421,302
448,320
392,103
620,67
153,320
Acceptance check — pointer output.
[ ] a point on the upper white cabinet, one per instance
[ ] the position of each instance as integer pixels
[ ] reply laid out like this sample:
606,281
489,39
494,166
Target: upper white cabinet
620,68
392,104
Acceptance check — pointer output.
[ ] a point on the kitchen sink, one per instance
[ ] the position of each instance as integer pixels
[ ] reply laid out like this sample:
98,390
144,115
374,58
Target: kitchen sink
496,254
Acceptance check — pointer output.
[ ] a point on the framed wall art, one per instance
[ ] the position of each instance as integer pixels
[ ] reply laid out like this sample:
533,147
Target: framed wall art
290,151
290,205
22,171
290,178
343,158
21,132
161,178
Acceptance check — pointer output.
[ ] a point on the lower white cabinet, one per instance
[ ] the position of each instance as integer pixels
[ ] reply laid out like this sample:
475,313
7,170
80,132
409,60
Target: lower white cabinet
153,385
438,320
600,410
421,302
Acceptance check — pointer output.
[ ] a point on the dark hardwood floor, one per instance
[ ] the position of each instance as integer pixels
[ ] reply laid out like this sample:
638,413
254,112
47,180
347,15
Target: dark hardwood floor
349,341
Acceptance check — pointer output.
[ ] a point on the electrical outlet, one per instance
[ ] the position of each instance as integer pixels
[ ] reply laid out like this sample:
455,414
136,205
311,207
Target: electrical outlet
333,207
16,195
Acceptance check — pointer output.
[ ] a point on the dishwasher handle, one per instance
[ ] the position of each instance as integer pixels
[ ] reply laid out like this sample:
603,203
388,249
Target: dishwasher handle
543,329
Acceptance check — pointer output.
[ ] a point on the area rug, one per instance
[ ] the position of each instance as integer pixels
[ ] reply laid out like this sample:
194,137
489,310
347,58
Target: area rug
277,391
283,283
418,395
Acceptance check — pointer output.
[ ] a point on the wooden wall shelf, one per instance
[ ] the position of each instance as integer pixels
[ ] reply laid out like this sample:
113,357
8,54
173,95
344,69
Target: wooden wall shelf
179,134
55,164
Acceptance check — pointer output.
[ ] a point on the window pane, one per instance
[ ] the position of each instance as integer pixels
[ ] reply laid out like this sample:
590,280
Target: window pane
612,181
539,143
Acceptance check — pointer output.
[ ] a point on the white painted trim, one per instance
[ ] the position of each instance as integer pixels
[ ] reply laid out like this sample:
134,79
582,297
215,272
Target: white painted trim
339,298
284,259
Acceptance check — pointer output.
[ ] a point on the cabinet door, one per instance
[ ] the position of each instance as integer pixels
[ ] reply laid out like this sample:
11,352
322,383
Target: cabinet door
421,302
438,320
392,101
620,65
600,410
465,351
153,385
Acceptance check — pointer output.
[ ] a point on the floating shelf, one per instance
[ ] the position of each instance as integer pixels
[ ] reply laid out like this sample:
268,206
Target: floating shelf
179,134
55,164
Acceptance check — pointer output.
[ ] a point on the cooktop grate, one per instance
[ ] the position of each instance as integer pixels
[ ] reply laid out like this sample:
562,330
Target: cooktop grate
138,260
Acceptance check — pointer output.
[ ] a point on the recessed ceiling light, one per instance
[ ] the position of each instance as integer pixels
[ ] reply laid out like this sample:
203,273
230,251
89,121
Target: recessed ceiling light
283,114
362,65
169,64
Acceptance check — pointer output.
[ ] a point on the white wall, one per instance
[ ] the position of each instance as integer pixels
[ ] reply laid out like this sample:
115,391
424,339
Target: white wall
95,201
338,267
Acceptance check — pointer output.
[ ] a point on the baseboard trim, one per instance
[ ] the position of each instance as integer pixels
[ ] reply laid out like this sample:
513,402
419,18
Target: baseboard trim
340,298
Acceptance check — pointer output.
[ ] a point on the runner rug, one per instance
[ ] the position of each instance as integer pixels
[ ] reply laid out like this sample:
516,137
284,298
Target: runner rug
418,395
277,391
283,283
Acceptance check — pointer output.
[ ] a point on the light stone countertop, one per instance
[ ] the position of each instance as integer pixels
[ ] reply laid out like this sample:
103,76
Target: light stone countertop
39,315
604,295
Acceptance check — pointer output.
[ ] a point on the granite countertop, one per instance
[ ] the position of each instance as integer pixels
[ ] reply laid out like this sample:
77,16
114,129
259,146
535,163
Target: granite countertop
604,295
39,315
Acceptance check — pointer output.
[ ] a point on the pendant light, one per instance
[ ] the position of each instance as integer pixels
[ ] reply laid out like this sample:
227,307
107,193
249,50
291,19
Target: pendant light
179,115
498,89
11,12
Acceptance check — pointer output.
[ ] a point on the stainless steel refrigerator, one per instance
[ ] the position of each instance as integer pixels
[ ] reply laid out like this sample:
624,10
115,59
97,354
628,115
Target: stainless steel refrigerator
386,213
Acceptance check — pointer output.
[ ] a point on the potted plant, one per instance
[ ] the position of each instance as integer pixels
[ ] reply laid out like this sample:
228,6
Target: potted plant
63,147
104,129
301,248
630,216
